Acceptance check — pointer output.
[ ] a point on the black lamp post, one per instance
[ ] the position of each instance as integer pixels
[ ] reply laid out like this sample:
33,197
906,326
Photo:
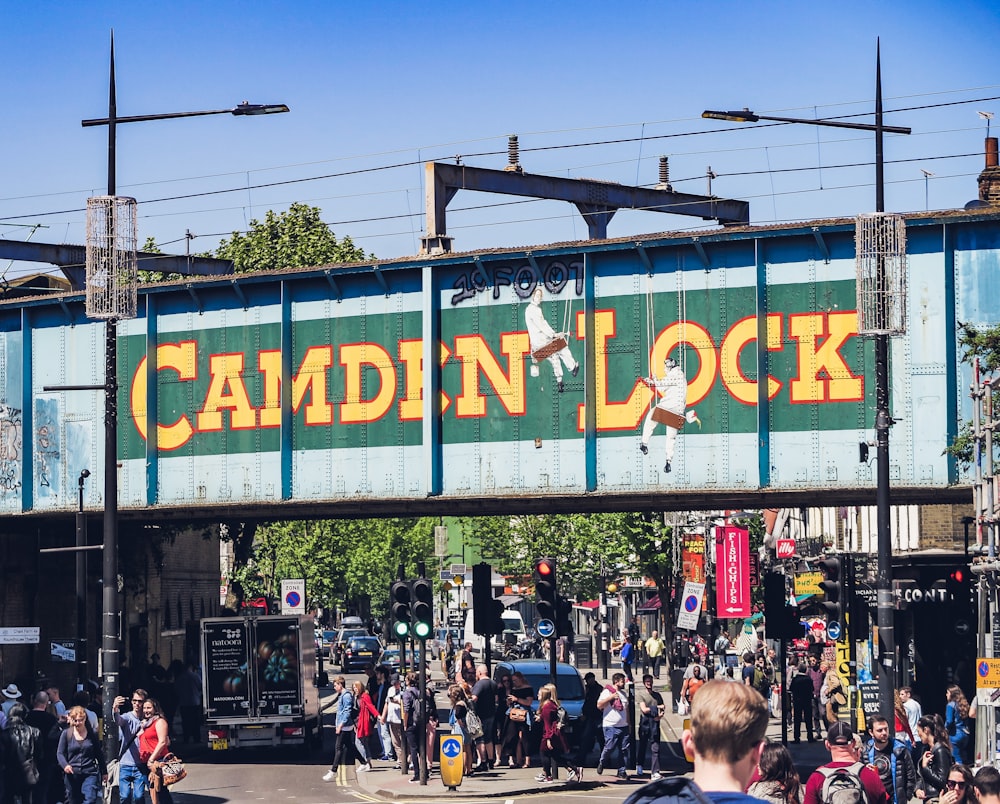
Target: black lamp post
111,611
883,420
81,589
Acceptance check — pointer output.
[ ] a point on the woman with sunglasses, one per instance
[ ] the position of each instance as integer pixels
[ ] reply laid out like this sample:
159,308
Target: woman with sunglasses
957,787
936,762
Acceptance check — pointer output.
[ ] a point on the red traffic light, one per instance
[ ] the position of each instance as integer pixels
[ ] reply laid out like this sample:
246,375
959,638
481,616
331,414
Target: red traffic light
544,567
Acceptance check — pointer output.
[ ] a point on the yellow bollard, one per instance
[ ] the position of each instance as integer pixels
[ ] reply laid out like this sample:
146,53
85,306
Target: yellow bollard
452,760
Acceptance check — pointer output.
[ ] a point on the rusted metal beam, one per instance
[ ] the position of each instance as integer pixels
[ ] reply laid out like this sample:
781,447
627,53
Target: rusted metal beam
597,200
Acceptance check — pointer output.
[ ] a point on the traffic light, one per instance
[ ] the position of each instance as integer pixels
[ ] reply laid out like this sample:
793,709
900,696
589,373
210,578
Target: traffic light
780,619
833,588
486,609
401,596
546,604
422,608
494,623
564,622
959,588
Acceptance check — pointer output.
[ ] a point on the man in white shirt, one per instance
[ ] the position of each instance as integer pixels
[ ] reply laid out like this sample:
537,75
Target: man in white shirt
913,709
613,702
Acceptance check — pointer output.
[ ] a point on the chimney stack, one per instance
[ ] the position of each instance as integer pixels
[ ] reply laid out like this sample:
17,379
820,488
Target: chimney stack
989,179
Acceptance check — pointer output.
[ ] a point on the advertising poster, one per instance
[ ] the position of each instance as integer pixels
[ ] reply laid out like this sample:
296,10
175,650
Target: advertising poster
225,666
278,674
732,566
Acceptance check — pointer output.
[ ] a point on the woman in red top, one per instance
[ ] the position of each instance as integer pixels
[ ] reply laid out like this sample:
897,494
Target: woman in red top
553,745
363,728
154,742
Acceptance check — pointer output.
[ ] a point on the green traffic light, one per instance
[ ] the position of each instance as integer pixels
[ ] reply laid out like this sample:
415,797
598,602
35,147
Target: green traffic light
402,629
422,630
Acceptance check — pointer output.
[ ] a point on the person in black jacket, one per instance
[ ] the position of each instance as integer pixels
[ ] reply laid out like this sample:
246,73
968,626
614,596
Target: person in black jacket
936,761
892,760
23,753
801,689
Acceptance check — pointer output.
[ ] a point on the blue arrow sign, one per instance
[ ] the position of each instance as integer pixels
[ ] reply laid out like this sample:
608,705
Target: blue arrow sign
833,629
546,628
451,748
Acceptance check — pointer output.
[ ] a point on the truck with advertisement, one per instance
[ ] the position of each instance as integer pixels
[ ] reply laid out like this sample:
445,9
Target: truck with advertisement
257,687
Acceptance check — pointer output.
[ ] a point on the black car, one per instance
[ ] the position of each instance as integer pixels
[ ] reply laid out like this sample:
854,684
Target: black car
360,651
569,686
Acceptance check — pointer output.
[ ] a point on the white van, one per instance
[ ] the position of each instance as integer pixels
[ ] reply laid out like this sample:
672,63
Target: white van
513,628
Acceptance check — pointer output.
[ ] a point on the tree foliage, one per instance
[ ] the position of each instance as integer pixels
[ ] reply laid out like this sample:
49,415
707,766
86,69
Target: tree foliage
347,564
983,344
295,238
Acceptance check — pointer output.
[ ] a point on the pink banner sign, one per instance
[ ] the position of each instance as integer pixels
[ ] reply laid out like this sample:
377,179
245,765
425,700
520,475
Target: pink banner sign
732,567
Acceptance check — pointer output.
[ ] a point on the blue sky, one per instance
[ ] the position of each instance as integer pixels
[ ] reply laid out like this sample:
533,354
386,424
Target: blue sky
377,85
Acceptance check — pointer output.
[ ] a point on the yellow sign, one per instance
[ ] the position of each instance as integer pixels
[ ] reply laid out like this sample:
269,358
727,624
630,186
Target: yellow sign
807,583
452,760
987,673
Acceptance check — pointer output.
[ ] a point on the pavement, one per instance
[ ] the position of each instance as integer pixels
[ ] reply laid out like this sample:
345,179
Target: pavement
388,783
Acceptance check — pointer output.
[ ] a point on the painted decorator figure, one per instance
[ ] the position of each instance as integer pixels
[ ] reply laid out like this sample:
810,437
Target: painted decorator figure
546,343
669,409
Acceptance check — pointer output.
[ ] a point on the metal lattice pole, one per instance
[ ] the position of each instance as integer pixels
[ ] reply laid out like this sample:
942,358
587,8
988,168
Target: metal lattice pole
112,264
880,268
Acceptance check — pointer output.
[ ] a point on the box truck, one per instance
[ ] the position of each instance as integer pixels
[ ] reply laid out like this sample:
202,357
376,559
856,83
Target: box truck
258,681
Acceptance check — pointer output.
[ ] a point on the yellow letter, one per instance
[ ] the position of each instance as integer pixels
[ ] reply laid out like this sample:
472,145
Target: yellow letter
839,385
740,335
181,358
474,355
411,355
357,410
226,391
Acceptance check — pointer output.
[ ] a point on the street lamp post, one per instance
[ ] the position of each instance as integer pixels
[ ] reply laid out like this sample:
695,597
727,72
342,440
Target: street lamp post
883,420
81,589
111,611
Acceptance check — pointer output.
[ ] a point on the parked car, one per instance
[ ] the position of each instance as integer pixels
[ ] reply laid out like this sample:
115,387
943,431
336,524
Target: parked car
441,639
569,684
325,640
360,651
391,657
344,635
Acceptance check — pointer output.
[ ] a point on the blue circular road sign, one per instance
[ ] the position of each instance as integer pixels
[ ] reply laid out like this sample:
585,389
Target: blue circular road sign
690,603
451,748
546,628
833,629
293,599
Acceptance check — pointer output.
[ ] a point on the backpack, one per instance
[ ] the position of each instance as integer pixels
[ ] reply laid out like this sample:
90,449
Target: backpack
417,702
761,683
473,723
843,785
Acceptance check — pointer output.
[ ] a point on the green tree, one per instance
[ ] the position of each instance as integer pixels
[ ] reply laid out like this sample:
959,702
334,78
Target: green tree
292,239
983,344
345,563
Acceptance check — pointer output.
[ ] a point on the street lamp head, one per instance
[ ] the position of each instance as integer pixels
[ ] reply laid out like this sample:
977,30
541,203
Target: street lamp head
85,473
247,108
745,116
